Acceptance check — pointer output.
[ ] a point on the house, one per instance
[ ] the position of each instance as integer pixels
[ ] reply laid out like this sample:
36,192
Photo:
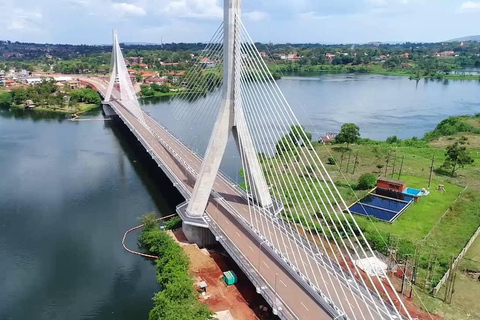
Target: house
136,59
9,83
62,79
133,78
176,75
159,81
391,185
405,55
149,74
330,56
206,63
446,54
167,64
73,84
33,81
29,104
263,54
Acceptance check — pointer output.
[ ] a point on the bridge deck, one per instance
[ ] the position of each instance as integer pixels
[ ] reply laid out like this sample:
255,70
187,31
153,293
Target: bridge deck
229,218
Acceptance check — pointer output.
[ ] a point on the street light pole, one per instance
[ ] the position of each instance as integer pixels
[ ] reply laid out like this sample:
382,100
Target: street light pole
260,255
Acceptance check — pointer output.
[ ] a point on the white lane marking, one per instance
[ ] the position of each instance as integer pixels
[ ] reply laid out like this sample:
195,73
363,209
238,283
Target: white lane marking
227,221
304,306
283,283
238,234
266,265
251,248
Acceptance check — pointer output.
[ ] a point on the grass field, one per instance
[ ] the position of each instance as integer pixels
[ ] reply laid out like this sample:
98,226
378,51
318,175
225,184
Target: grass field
417,221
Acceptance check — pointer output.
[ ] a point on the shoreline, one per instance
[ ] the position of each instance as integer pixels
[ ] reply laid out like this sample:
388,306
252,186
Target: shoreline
280,70
88,107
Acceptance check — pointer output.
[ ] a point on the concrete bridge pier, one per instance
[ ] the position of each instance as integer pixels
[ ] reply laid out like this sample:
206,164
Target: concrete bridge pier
108,111
201,236
195,228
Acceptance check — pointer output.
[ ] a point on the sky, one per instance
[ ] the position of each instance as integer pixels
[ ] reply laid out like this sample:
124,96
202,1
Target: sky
277,21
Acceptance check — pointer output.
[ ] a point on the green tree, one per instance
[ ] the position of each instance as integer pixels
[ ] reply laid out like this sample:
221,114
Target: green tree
349,133
367,181
19,96
5,99
285,144
457,157
299,135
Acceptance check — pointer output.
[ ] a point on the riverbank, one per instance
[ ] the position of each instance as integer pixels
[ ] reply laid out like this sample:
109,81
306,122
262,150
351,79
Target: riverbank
79,110
181,263
282,69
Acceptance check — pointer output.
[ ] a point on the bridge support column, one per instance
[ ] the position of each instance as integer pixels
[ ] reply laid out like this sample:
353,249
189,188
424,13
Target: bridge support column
230,119
202,237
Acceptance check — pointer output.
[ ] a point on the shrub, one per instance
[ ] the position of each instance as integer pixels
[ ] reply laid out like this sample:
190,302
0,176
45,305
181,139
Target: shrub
177,299
331,161
173,223
393,139
367,181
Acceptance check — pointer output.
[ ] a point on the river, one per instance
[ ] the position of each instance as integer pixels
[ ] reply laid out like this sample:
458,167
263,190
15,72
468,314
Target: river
69,190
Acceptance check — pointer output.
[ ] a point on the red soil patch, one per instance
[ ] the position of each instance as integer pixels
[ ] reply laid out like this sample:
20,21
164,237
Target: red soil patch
240,299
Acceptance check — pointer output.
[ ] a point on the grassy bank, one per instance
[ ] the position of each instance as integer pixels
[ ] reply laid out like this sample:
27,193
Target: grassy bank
376,68
159,94
177,300
80,109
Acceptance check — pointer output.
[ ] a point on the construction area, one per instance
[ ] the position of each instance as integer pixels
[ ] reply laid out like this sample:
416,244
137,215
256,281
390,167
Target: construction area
238,301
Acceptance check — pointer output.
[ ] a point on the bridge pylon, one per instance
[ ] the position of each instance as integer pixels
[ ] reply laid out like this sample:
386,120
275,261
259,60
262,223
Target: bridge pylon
119,76
230,119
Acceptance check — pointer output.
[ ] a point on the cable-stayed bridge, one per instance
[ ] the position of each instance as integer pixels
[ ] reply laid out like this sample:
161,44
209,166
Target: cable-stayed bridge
287,227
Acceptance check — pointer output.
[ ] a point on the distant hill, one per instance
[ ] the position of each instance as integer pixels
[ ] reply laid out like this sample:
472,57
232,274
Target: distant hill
141,44
469,38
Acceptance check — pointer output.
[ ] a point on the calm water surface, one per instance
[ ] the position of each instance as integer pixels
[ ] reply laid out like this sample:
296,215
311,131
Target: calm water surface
381,106
69,190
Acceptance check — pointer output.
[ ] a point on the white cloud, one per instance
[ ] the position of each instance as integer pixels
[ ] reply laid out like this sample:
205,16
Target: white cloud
378,2
199,9
468,7
311,15
24,20
128,9
256,15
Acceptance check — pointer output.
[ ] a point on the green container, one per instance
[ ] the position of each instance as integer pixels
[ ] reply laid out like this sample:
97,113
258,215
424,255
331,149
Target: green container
229,277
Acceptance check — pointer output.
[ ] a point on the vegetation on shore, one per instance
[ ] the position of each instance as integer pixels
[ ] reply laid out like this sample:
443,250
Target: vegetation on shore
177,299
279,68
46,96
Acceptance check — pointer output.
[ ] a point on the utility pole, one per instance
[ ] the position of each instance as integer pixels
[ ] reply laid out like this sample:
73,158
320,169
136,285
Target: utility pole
394,163
355,164
413,278
431,172
341,160
429,266
405,273
401,168
348,163
386,165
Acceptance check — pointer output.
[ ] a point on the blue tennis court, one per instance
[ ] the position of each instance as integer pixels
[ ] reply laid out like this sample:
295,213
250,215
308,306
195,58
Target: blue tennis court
382,206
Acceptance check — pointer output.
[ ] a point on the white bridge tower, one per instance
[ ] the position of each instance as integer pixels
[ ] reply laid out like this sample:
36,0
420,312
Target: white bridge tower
230,118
